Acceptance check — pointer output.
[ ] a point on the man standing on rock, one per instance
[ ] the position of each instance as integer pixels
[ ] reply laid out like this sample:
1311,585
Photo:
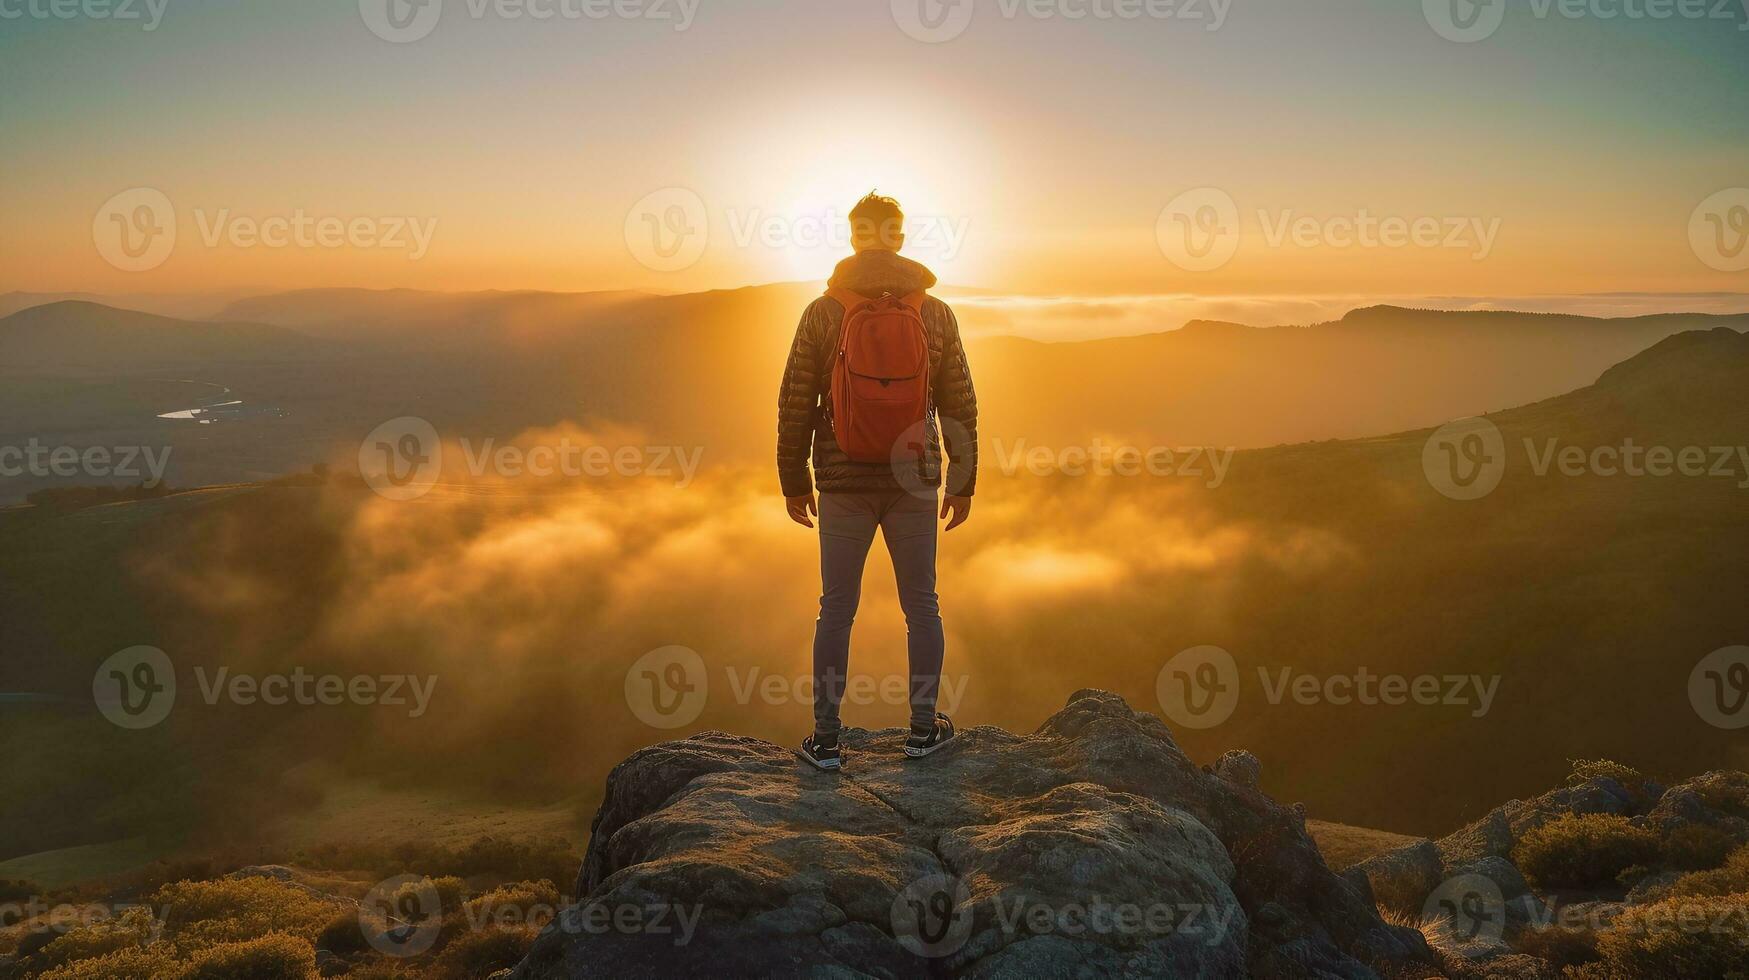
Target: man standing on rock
876,378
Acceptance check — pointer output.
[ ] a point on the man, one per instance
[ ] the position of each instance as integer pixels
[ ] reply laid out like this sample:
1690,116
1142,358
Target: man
896,494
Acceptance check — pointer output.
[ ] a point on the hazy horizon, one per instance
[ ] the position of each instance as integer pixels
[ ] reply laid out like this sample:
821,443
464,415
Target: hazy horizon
1047,317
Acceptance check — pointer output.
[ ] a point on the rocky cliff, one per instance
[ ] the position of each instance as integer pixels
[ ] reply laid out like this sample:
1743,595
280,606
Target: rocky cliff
1092,847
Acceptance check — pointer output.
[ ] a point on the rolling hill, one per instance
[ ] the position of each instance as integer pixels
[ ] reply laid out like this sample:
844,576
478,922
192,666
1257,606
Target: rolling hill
193,306
1588,595
1376,370
80,338
428,317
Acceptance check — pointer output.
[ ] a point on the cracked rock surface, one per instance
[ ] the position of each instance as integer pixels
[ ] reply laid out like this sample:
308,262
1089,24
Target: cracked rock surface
1091,848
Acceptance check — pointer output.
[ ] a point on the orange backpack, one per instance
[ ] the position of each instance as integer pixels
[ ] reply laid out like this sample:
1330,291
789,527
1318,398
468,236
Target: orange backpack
880,376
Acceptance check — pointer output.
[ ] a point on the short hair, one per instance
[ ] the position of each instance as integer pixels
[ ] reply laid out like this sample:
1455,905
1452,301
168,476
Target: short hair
876,221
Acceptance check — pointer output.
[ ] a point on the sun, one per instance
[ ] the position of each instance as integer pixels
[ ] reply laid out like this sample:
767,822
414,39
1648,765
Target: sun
804,230
822,207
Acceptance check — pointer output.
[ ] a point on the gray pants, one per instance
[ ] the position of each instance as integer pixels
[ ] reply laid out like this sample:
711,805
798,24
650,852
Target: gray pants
847,529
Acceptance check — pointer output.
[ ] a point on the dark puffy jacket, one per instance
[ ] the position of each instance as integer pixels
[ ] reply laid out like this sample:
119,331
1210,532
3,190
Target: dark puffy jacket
801,422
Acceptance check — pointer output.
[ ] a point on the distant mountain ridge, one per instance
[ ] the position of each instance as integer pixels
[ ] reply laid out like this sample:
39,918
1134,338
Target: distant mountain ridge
1724,352
1688,386
435,317
1388,315
79,336
1379,369
703,368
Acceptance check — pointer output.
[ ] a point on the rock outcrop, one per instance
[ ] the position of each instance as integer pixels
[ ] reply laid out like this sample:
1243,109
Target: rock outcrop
1469,875
1090,848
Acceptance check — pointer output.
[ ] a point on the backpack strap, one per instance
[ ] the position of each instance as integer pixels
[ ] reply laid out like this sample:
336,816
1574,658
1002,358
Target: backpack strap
846,298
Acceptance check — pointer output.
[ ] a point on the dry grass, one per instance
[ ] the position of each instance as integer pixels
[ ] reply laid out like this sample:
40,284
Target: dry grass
1344,846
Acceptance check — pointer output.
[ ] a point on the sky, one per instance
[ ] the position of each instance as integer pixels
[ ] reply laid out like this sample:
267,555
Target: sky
1271,148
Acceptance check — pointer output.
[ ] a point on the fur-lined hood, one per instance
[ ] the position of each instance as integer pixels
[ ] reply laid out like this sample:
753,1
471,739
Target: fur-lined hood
874,273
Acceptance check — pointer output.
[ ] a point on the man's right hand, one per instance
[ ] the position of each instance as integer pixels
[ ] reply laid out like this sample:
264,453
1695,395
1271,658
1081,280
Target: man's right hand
800,507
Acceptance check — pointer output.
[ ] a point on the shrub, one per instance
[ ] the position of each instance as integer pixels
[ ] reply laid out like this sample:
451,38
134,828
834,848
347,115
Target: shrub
275,956
166,871
1585,852
132,929
451,891
411,902
199,914
1636,782
1559,945
31,943
1585,770
344,934
526,902
1697,847
1731,879
1699,938
553,859
154,962
474,955
335,883
380,969
1728,794
1632,875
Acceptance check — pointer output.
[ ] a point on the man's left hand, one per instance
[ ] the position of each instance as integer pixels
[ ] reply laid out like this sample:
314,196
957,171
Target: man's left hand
959,507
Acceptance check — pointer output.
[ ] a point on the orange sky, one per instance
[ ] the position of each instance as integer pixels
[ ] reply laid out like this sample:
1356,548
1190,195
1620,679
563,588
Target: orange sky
1034,155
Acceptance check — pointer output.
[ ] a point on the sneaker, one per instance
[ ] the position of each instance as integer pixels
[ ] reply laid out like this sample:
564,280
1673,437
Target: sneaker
924,741
821,752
